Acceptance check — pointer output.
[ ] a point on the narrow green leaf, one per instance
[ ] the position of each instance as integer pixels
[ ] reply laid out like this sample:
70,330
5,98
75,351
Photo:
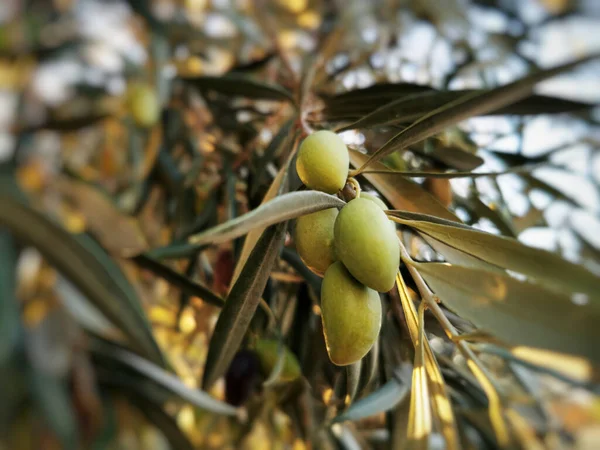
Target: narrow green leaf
410,107
147,370
469,105
280,209
174,251
240,85
241,304
89,271
359,103
479,210
401,192
518,312
383,399
547,268
450,175
9,305
176,279
279,186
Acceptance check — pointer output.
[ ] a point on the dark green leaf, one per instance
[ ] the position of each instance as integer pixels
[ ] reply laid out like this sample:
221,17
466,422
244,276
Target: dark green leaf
51,395
9,305
174,251
92,272
410,107
63,125
146,370
241,304
547,268
176,279
240,85
469,105
518,312
401,192
280,209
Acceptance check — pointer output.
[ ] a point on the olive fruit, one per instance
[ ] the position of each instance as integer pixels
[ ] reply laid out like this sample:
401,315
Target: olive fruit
351,315
267,351
374,198
381,204
366,244
314,239
323,162
143,104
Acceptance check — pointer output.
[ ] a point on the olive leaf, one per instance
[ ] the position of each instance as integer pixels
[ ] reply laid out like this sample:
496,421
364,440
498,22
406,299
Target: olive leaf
411,107
9,305
402,193
279,209
383,399
146,370
518,312
426,363
469,105
241,304
102,217
363,103
87,267
547,268
450,175
240,85
176,279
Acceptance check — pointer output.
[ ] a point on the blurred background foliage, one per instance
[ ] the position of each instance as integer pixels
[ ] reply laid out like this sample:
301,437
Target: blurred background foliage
106,308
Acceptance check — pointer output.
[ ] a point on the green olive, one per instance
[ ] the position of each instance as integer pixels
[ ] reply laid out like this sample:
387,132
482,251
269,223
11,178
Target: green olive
314,239
323,162
143,104
367,245
267,351
351,315
374,198
382,205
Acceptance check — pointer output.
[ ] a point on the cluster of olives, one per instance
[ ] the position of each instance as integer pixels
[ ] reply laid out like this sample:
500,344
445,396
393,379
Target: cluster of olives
355,250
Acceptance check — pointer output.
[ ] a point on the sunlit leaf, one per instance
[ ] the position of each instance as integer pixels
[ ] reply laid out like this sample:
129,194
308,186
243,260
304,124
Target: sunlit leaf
547,268
420,424
518,312
440,404
469,105
241,304
240,85
280,209
402,193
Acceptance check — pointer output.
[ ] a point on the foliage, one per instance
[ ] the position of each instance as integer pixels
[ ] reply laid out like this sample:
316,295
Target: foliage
147,250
